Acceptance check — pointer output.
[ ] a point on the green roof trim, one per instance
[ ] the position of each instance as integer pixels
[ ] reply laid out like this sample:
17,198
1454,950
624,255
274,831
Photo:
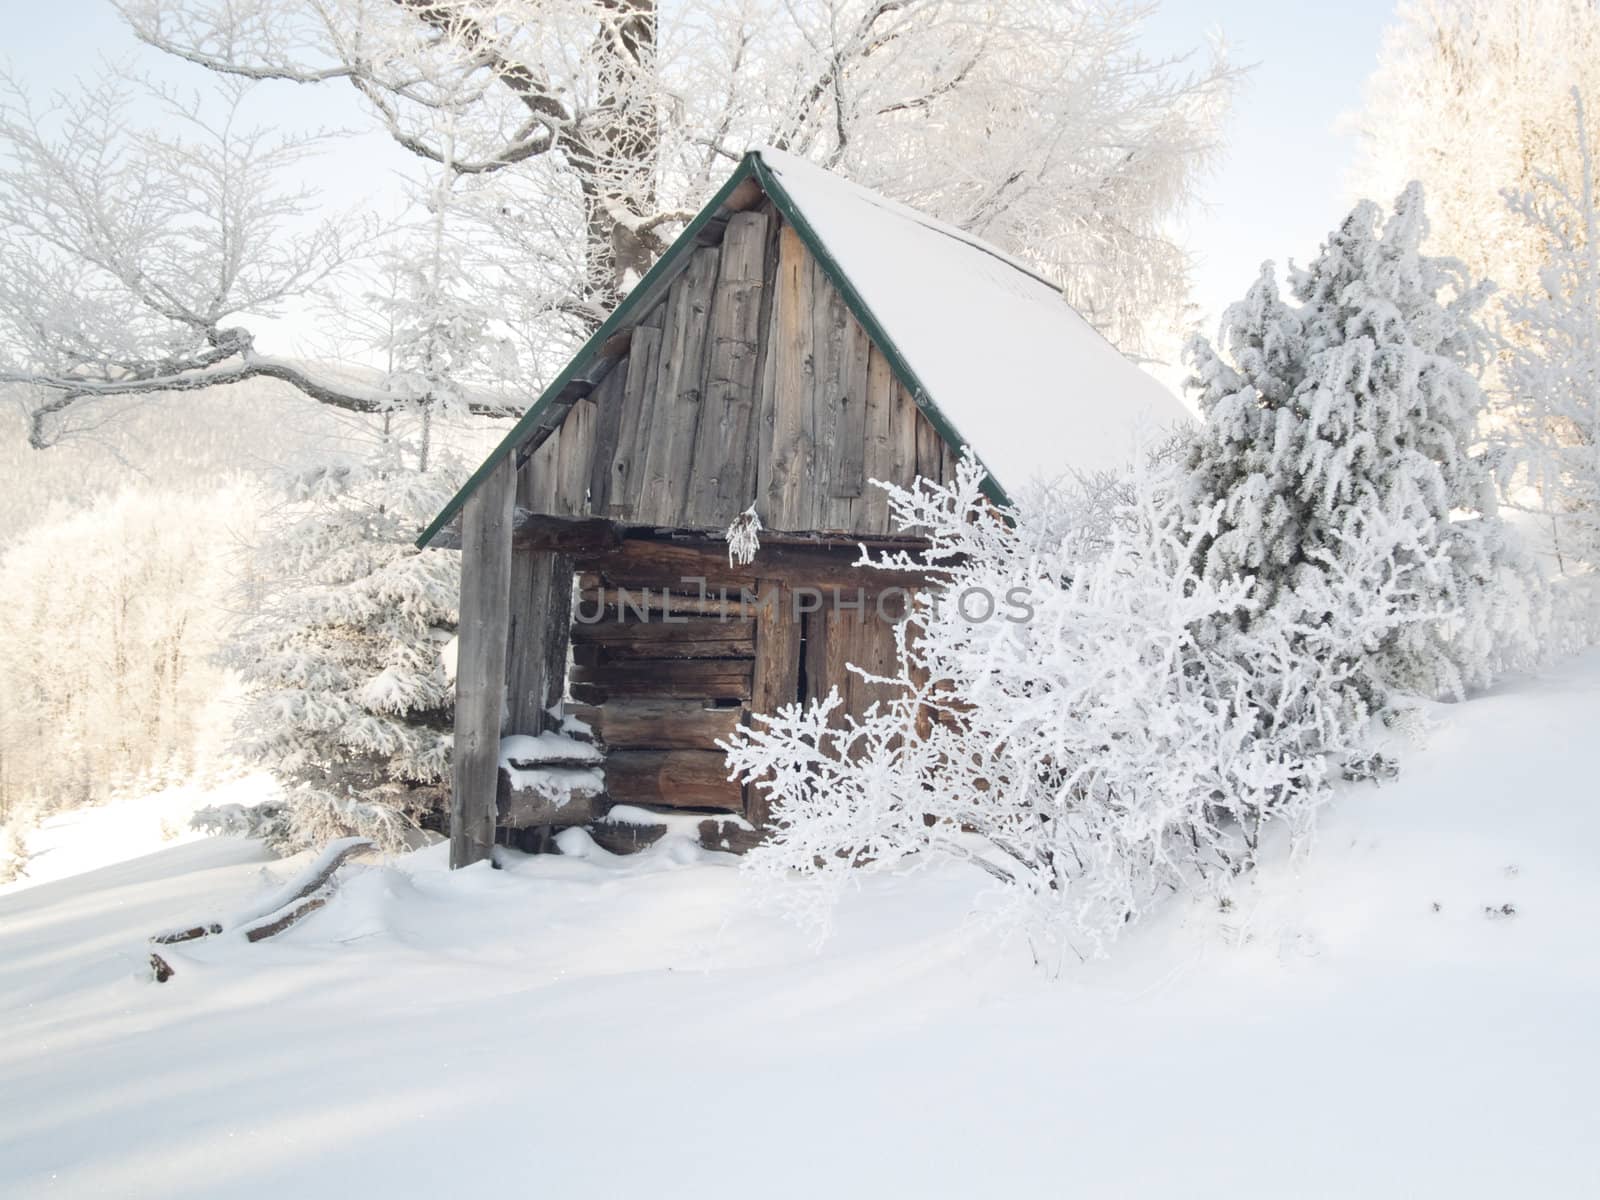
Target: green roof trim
648,290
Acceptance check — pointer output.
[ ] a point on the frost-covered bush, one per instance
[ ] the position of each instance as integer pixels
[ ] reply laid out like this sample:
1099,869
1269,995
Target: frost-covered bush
350,703
1359,408
1129,738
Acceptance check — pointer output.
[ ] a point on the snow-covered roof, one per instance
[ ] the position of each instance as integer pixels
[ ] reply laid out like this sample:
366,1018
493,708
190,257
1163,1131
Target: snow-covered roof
1017,374
999,361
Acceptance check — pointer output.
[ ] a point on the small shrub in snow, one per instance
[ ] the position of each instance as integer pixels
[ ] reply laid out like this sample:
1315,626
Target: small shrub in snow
1130,739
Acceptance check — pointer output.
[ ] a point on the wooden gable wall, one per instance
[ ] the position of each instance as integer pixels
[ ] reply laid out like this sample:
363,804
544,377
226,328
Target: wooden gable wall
749,382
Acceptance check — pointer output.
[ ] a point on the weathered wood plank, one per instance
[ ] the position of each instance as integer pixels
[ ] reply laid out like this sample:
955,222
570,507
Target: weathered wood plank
617,453
684,679
599,654
729,836
669,448
625,837
929,451
574,454
788,460
872,648
947,461
538,477
724,452
569,798
539,679
660,724
766,359
775,680
597,603
525,686
877,455
903,421
681,637
830,384
481,663
716,833
672,778
850,444
776,676
648,563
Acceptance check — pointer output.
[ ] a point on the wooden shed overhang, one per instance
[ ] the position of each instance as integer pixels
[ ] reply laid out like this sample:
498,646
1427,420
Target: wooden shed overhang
743,190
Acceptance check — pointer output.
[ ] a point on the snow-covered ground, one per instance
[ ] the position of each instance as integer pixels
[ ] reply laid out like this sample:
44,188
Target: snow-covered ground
1411,1012
85,839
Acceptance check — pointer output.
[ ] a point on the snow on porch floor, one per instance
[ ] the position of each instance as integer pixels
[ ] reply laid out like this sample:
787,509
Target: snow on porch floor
617,1027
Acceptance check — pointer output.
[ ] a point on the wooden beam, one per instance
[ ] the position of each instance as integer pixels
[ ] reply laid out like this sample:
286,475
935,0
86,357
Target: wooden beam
659,724
672,778
680,679
564,535
656,561
481,663
681,637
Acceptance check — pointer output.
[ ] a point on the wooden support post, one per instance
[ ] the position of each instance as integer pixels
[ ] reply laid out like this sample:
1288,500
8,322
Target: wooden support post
481,663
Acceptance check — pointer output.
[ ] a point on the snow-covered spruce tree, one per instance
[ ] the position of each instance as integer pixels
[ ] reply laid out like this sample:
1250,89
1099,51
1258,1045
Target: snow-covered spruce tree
1358,410
1093,745
1553,372
350,701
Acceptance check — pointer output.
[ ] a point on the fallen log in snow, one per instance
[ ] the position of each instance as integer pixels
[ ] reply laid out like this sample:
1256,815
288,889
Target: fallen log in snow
187,935
298,898
272,925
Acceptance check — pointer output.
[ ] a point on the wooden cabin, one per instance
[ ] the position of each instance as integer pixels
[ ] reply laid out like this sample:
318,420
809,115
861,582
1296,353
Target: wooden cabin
802,338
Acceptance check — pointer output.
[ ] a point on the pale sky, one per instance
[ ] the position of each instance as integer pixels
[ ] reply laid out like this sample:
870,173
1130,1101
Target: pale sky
1281,187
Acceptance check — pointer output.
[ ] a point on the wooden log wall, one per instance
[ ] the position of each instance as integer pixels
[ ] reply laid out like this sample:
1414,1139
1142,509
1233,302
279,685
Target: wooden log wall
659,687
661,674
749,382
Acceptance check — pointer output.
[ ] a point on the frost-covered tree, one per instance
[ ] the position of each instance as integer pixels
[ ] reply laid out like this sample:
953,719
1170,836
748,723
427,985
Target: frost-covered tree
350,691
1552,374
1356,410
583,133
342,650
1100,741
1470,97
